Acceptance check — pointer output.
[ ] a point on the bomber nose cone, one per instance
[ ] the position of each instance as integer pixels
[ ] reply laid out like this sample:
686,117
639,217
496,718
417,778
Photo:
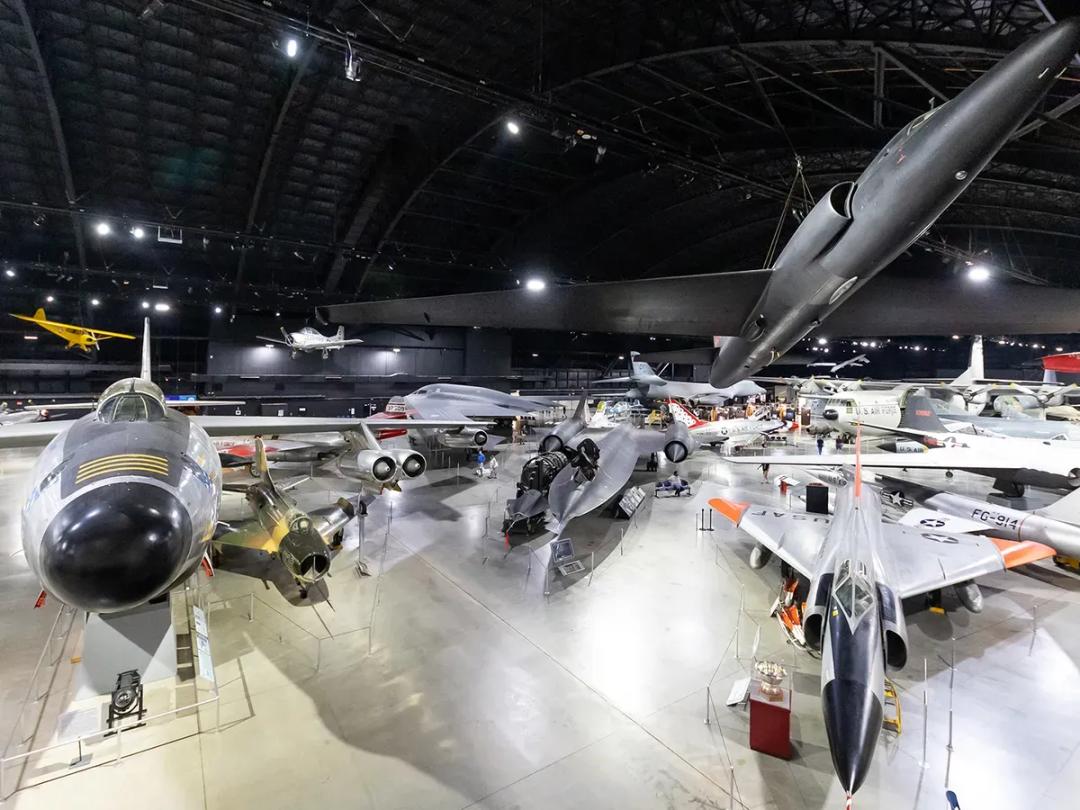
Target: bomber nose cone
852,721
115,547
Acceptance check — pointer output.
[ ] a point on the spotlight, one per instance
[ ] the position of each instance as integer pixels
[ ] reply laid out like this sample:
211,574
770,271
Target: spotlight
978,273
95,302
822,341
269,345
513,127
396,350
30,337
102,228
535,284
217,310
955,337
9,272
1058,349
49,299
292,47
873,344
146,305
161,306
277,313
138,232
622,356
534,354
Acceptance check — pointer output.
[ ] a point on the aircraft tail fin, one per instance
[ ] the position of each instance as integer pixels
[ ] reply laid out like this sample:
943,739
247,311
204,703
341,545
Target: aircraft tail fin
639,368
919,414
146,367
976,369
262,466
39,314
1065,509
340,333
1049,377
680,413
582,410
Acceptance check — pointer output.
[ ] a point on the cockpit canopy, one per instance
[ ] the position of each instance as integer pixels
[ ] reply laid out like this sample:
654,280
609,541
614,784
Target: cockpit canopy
854,591
300,525
131,400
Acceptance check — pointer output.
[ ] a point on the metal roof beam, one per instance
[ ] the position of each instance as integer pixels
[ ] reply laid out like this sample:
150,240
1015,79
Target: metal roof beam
268,153
1048,116
703,96
55,125
912,69
806,91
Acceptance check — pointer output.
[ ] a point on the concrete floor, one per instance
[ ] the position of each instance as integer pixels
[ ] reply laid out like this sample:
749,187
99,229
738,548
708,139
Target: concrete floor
447,679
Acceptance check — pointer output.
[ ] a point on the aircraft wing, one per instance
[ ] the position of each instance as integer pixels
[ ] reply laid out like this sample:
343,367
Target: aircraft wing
86,330
249,534
718,304
794,537
278,425
920,518
31,434
433,406
279,341
928,559
945,458
569,497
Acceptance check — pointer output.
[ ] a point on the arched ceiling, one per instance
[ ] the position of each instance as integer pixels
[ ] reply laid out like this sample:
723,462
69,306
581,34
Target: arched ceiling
656,138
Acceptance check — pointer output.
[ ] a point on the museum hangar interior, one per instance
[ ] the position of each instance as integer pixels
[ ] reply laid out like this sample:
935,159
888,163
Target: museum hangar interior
527,404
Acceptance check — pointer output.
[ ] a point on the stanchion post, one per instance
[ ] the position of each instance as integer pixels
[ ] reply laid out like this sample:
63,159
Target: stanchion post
708,701
251,606
592,565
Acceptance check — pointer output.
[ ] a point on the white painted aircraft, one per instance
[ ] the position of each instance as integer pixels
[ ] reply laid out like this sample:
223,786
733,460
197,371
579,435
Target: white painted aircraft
311,340
735,432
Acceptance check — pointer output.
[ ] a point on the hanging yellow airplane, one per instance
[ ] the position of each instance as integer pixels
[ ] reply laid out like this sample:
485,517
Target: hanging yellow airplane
79,337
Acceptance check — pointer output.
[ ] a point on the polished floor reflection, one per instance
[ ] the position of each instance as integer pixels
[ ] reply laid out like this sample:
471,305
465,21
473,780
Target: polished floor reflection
447,679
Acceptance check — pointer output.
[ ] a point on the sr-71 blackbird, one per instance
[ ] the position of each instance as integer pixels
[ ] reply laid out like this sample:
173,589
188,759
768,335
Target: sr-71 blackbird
854,230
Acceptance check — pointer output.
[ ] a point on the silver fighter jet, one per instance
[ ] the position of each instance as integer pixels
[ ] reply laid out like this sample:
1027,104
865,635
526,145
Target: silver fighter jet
859,571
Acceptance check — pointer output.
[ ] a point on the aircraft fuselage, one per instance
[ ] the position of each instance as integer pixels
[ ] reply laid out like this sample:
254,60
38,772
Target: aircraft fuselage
858,228
122,506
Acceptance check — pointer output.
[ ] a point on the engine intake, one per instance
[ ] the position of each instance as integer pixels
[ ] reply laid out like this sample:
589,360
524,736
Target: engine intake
411,463
817,607
893,628
678,443
376,466
560,435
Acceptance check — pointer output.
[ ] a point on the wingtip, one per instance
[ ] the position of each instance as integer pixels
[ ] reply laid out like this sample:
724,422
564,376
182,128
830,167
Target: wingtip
732,510
1024,552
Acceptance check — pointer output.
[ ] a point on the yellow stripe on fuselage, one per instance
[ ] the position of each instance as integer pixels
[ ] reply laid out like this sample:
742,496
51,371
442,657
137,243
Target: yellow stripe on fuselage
123,462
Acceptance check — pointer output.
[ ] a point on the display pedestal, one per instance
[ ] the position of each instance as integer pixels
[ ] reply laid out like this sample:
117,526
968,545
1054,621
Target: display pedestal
142,639
770,722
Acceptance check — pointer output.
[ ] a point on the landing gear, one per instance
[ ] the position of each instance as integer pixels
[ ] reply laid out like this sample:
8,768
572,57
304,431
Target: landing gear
337,540
1010,489
303,591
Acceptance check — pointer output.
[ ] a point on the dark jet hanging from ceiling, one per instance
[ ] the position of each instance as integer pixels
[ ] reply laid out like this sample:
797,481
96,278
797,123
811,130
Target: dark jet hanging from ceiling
853,232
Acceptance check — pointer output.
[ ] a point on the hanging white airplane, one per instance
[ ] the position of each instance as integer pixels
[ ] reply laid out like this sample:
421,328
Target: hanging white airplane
311,340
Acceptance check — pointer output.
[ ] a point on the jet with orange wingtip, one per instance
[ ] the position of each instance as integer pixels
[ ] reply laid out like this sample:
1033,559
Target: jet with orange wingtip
77,337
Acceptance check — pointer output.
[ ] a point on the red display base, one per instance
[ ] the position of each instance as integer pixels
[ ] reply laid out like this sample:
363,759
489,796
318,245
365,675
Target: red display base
770,722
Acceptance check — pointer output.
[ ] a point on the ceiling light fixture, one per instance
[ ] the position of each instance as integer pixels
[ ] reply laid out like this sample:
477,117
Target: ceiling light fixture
292,47
978,273
9,272
138,232
49,299
95,302
513,127
822,341
102,228
217,310
535,284
161,306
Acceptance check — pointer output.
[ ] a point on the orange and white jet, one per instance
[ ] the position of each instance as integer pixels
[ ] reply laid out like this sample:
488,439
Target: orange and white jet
732,431
77,337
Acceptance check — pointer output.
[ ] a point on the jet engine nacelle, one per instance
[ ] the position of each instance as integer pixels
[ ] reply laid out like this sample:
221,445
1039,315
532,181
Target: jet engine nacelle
479,437
411,463
560,435
375,466
1012,403
817,608
303,552
969,595
893,628
826,221
678,443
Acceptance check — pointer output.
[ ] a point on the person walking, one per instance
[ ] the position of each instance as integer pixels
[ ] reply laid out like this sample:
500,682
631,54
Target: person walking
820,445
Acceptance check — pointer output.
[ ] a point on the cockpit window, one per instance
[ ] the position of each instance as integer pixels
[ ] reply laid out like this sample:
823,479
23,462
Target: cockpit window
922,119
853,594
301,525
131,408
